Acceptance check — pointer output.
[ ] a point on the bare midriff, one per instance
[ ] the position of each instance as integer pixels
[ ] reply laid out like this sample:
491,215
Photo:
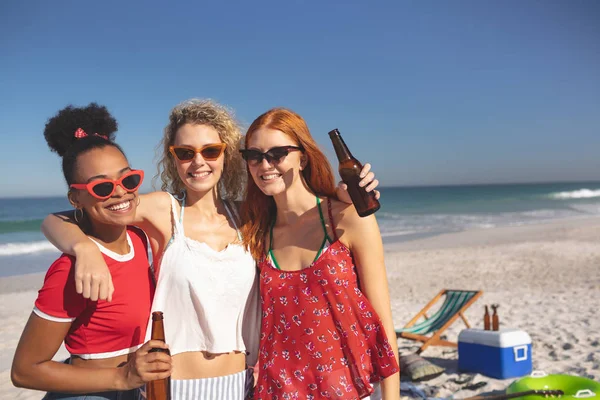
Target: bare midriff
100,363
201,364
189,365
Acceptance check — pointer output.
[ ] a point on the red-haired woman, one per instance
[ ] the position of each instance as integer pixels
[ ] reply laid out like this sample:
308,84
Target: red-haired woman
326,329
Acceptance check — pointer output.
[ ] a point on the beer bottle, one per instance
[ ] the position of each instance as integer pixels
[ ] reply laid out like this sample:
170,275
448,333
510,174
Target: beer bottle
495,319
486,319
349,167
159,389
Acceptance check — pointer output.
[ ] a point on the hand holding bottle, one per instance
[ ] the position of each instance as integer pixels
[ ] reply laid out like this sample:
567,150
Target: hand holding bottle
159,388
350,170
368,181
146,365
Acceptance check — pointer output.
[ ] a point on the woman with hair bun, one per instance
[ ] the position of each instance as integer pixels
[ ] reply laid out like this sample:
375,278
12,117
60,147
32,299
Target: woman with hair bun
109,359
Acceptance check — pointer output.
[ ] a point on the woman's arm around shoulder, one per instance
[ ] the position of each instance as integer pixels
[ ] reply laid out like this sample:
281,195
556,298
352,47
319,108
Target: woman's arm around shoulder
63,231
92,277
154,217
153,210
362,236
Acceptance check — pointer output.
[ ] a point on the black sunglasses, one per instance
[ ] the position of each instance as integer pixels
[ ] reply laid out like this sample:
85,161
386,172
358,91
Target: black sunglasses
273,155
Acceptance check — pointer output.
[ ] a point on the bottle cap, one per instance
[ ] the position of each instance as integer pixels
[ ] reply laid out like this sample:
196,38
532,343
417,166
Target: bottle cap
156,315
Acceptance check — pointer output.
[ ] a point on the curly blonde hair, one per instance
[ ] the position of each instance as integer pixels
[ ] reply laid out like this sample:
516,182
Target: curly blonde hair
221,118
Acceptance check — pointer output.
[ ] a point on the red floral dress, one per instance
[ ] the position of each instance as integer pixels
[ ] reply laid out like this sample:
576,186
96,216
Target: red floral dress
320,336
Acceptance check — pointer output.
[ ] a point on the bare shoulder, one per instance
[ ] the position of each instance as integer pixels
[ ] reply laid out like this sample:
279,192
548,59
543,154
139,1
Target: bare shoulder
153,206
157,200
346,217
354,231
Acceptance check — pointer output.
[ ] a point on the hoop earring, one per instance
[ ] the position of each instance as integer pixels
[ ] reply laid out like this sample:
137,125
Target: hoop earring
75,215
138,202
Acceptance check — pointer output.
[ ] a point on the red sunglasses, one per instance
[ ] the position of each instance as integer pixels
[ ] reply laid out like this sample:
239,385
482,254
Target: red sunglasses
104,188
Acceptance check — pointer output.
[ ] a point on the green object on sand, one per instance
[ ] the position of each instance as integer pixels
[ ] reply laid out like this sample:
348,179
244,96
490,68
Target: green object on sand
574,387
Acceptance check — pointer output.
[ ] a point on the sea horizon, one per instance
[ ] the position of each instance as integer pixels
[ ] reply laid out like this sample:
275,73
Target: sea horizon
407,213
406,186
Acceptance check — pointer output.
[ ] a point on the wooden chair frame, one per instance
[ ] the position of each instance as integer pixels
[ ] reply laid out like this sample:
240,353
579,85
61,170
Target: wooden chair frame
435,338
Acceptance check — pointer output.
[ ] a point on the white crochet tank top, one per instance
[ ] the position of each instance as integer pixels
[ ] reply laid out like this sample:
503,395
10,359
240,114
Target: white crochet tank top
209,298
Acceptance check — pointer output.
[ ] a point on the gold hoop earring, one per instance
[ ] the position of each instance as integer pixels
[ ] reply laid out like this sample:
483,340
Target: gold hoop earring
138,200
75,215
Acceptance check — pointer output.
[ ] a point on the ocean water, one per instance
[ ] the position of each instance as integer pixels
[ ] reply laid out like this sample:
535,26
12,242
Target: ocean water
23,248
421,211
406,213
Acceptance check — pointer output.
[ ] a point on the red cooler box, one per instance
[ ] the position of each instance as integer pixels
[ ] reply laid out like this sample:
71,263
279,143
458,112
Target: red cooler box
498,354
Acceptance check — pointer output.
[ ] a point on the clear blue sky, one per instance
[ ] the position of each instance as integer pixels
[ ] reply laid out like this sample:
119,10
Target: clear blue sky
429,92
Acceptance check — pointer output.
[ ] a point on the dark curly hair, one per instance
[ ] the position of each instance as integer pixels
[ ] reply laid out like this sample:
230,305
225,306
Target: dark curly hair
94,120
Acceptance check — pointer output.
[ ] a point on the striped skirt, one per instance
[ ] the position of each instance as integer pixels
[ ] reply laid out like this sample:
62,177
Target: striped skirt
229,387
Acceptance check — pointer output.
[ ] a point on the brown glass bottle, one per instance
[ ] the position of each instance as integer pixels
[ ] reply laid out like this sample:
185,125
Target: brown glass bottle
349,167
159,389
495,319
486,319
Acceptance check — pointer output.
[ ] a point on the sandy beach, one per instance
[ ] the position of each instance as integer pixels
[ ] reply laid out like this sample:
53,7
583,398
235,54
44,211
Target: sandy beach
545,278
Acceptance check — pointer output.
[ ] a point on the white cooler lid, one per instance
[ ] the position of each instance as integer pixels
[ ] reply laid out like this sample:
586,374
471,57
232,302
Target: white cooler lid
501,338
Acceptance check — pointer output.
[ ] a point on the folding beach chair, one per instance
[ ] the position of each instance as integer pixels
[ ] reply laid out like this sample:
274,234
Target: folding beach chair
456,302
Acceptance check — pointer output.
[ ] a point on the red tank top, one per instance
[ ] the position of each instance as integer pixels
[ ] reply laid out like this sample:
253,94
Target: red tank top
320,336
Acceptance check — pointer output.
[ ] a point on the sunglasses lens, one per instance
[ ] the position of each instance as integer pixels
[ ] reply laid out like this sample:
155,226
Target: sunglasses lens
132,182
211,152
252,156
184,154
103,189
276,154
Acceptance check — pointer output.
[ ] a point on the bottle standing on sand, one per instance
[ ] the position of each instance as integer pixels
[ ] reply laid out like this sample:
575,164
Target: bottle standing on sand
486,319
160,389
349,167
495,320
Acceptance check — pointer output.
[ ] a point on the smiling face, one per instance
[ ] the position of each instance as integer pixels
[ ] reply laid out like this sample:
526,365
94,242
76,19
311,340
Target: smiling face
274,177
198,174
104,163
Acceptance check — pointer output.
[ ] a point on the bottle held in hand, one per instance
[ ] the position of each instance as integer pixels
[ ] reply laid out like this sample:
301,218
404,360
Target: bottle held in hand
349,167
159,389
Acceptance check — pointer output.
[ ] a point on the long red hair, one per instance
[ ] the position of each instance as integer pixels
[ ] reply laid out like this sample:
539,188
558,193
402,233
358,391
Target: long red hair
259,209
